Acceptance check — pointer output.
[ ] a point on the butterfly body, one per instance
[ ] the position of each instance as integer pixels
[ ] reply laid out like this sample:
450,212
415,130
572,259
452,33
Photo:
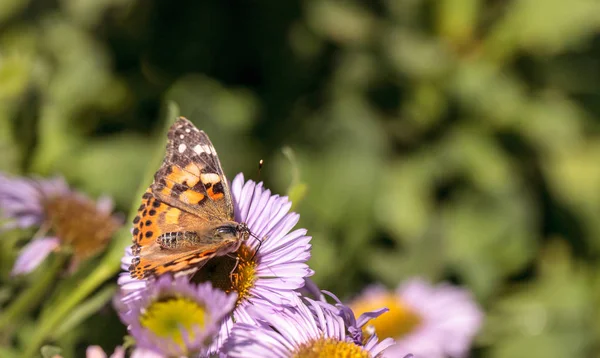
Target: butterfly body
186,216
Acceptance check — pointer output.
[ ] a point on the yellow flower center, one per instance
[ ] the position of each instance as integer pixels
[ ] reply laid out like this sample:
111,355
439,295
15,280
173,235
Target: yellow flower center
231,273
77,222
399,321
329,347
166,318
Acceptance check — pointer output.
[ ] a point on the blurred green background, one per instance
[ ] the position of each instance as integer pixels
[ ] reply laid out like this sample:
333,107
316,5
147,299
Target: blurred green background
454,139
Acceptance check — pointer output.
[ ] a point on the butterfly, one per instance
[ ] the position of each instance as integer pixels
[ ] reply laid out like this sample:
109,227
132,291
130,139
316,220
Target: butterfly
187,215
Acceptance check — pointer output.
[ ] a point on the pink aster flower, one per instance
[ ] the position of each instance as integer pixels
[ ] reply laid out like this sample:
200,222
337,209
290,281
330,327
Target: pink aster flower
62,216
427,321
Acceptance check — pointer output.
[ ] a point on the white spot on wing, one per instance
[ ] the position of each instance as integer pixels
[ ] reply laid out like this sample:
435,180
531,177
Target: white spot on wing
181,136
207,148
203,148
187,130
182,148
210,178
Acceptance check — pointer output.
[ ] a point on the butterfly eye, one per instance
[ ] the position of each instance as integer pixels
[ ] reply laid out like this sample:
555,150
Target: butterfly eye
227,230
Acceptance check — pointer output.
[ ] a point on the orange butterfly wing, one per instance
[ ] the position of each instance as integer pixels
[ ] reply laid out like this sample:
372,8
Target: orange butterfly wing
189,194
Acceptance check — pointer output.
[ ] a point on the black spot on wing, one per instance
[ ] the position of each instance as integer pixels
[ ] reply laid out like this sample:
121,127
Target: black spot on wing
177,189
218,188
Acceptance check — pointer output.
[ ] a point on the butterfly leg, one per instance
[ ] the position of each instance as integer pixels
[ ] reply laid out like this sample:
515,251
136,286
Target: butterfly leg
232,274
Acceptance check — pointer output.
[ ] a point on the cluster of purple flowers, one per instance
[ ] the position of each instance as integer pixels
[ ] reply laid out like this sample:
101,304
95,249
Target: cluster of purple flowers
265,305
263,314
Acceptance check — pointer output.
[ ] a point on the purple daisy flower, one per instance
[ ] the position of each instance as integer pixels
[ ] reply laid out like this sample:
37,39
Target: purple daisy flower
268,267
428,321
174,317
306,328
64,217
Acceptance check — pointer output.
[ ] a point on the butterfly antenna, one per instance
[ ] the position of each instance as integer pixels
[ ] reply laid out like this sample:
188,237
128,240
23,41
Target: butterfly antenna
260,166
259,245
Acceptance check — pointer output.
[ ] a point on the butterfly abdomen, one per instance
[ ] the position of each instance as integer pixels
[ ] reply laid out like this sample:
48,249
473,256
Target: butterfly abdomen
177,240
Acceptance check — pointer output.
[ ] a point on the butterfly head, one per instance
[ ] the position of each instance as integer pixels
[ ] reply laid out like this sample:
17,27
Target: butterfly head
232,233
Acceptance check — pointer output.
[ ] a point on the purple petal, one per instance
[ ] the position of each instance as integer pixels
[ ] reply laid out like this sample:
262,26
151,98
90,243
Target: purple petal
33,254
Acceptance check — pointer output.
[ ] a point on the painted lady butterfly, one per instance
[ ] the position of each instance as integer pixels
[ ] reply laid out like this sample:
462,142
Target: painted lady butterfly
186,217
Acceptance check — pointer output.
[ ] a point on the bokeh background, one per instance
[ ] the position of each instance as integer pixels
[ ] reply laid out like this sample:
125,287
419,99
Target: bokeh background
454,140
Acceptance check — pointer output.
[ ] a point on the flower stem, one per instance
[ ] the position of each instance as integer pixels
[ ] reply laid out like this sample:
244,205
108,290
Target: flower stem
33,294
108,267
